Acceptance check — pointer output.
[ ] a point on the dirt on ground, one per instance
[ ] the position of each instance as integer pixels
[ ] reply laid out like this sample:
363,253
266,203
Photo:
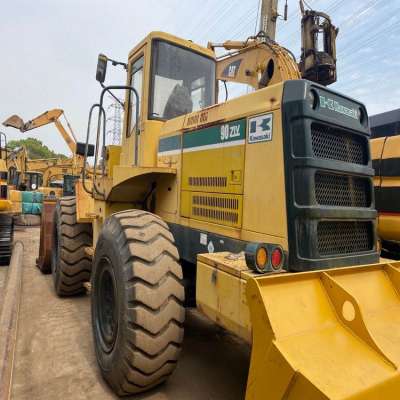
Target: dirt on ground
55,357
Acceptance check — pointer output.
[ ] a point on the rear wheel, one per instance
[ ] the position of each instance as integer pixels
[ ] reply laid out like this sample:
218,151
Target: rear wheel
70,264
137,302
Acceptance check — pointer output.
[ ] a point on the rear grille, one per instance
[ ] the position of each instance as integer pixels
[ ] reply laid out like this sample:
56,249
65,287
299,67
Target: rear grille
344,237
218,208
221,202
337,144
217,215
342,190
214,181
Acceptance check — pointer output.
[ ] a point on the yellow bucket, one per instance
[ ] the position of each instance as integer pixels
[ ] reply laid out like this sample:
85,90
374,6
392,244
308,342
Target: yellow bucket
331,334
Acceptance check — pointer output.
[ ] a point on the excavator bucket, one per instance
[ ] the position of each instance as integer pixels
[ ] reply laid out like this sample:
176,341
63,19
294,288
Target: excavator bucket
15,122
331,334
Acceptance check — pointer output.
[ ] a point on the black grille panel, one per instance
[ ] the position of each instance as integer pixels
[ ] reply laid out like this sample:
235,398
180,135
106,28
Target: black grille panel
336,144
213,201
342,190
215,181
344,237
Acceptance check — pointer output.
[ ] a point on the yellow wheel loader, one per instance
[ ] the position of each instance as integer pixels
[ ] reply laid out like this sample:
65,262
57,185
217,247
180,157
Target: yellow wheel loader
260,208
385,152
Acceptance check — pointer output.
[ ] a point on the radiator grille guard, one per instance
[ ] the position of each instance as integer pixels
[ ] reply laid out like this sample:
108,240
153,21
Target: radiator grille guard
328,173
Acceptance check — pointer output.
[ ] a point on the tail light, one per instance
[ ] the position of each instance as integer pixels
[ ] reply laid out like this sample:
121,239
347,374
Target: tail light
264,257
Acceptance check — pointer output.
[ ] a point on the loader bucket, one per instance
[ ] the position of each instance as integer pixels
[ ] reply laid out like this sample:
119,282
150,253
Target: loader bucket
43,262
326,335
15,122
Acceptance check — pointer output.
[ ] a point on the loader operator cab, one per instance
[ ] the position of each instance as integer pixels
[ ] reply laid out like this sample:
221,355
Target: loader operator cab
182,81
33,180
167,77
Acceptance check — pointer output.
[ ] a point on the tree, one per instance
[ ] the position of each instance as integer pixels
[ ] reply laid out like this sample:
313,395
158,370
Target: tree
35,148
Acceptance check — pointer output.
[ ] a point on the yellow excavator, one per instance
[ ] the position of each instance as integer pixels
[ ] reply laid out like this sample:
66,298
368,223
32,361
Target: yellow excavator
49,117
21,175
260,208
66,170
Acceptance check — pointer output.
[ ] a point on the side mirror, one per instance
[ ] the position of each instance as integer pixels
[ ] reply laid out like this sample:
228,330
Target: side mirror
80,149
101,68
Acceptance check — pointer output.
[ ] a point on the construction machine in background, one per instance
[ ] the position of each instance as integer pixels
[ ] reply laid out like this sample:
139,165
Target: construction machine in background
6,210
259,208
385,152
20,174
50,117
54,170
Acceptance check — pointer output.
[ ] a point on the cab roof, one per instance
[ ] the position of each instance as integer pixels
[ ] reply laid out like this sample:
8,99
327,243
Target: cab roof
174,39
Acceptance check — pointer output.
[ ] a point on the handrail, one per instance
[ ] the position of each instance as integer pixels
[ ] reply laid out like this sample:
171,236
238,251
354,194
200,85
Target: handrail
132,89
101,126
101,113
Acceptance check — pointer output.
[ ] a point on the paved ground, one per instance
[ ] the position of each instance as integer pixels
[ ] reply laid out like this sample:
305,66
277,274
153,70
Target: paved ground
55,358
3,278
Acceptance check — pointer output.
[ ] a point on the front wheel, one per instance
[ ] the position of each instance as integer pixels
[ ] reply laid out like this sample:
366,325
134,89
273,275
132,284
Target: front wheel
70,265
137,302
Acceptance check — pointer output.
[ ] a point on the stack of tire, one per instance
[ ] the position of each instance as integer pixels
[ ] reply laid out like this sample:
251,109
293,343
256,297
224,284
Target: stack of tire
6,238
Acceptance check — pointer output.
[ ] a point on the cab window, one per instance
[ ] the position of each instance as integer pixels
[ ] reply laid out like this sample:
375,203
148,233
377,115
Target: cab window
136,83
182,81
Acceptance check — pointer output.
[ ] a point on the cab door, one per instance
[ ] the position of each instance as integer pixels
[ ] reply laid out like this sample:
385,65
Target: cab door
134,120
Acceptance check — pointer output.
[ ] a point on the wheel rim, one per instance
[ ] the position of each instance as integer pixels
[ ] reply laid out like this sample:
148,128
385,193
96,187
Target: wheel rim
107,319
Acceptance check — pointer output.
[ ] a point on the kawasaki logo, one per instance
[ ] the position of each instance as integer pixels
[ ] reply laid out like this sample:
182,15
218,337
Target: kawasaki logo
337,107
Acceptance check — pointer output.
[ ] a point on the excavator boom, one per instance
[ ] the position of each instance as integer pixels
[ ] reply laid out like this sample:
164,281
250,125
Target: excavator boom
48,117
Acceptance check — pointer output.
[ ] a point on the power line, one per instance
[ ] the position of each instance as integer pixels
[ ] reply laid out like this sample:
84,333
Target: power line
221,32
245,20
206,34
205,16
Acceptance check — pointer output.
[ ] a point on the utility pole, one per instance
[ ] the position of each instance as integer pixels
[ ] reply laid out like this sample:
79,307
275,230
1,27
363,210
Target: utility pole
268,17
114,132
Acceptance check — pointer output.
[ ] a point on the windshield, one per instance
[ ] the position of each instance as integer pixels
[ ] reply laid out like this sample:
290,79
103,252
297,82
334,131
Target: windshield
183,81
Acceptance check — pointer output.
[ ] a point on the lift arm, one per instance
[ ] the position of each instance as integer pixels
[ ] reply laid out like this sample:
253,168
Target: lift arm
258,62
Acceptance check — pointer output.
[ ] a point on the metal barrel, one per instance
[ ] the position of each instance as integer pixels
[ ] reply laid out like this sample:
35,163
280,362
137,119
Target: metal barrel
9,320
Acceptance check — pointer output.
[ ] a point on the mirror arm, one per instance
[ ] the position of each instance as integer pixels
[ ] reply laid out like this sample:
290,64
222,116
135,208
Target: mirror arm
115,63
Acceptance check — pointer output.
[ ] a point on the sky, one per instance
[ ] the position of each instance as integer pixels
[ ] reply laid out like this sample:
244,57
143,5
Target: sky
49,48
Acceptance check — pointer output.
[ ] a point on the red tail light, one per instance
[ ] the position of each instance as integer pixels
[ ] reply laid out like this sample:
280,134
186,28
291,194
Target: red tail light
276,258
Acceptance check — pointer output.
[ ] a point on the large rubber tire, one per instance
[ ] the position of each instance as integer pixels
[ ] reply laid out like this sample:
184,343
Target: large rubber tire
137,302
70,264
6,238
